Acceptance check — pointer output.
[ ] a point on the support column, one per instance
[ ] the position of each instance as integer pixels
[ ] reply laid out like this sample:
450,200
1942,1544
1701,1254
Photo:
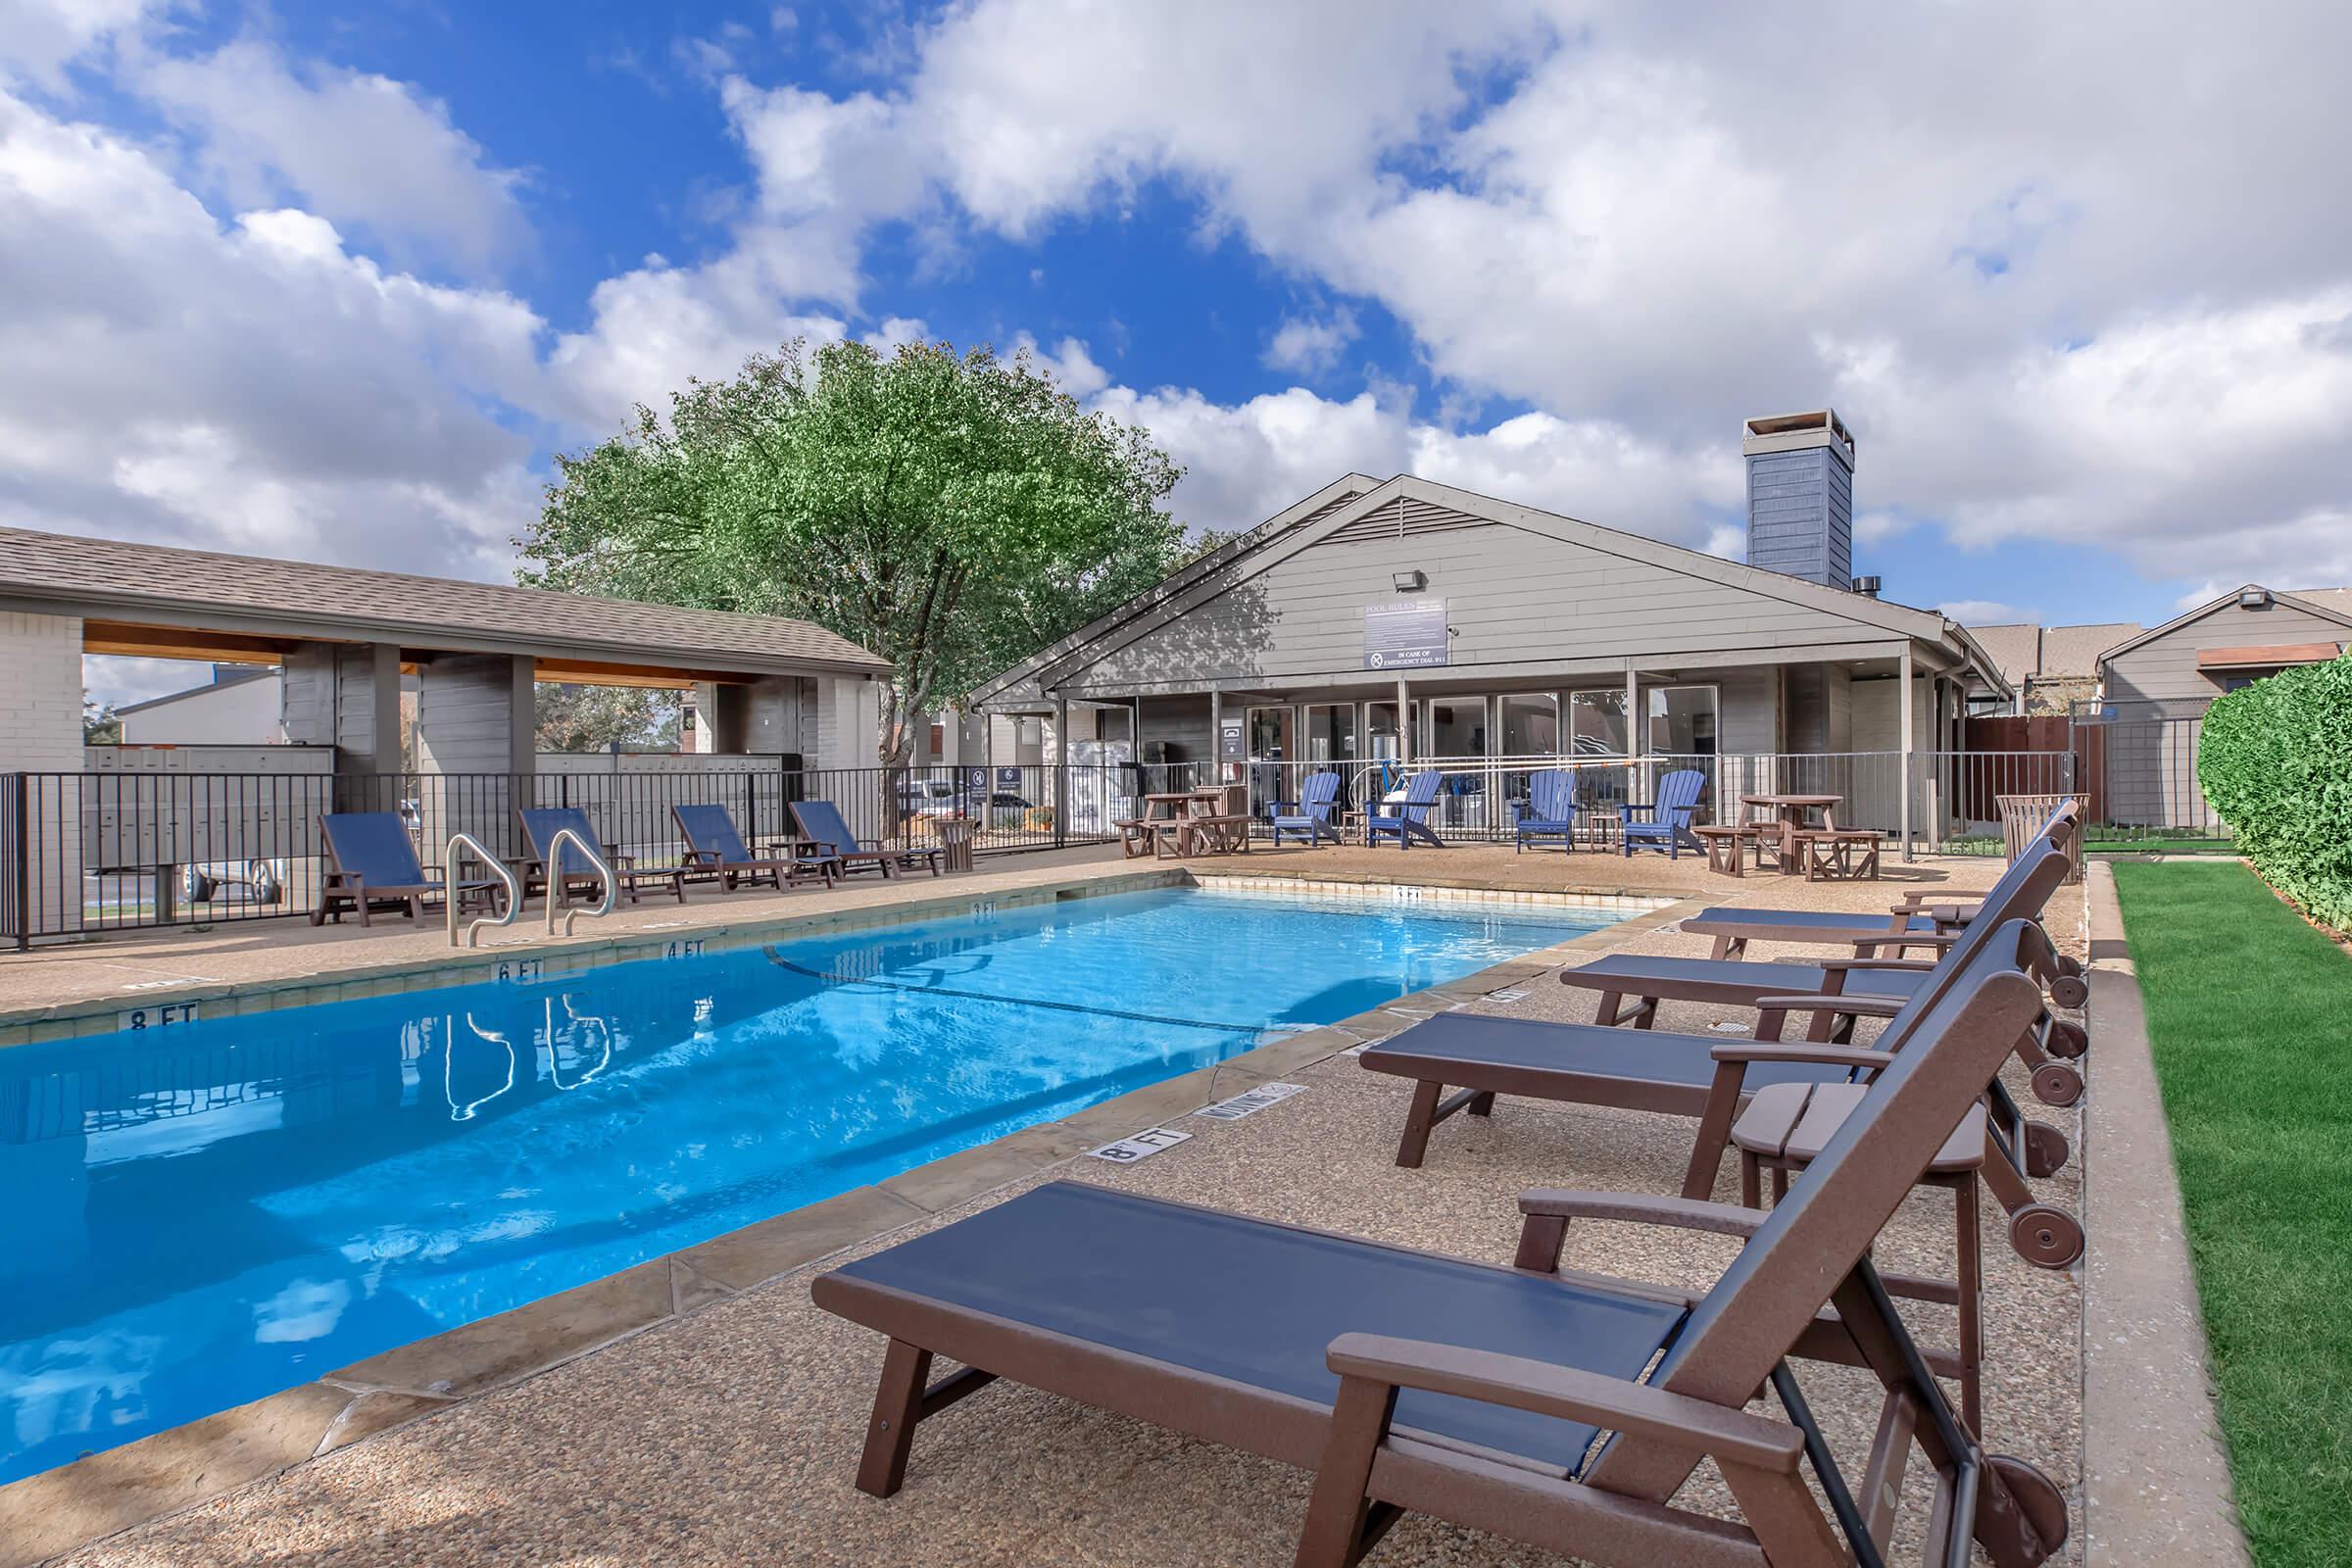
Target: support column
1216,734
40,733
1903,726
1404,722
475,717
1061,771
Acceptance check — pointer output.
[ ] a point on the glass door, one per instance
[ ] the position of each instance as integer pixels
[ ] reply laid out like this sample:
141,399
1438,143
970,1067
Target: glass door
1273,752
1331,745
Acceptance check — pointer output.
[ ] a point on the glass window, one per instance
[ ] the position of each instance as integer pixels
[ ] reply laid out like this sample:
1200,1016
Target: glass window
1331,732
1681,720
1270,734
1452,726
1596,722
1380,729
1531,725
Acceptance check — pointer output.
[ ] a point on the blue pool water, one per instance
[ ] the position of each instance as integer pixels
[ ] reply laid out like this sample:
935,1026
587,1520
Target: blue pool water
202,1214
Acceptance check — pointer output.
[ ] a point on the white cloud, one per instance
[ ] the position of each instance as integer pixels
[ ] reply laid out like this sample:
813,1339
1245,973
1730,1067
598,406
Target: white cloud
1308,345
361,150
1644,230
255,386
38,38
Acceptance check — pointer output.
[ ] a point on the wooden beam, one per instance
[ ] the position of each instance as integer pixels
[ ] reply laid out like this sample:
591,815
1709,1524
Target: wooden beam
125,639
584,672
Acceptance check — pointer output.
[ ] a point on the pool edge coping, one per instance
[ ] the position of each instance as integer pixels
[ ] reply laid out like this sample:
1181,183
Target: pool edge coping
87,1501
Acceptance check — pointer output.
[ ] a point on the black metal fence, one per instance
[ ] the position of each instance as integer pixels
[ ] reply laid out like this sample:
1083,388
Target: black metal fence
97,852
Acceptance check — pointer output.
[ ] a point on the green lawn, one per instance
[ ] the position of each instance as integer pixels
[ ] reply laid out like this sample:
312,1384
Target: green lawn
2251,1015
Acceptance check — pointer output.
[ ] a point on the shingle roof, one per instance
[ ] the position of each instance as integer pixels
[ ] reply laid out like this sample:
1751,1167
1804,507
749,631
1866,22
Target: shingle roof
108,579
2338,599
2073,652
2016,648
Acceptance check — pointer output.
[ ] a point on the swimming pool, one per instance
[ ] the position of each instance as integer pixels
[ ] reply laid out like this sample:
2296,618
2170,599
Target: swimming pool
206,1213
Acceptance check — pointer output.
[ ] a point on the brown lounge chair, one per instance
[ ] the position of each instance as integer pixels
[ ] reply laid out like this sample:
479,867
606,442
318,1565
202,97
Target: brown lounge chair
1868,987
1414,1382
575,876
1925,918
1710,1079
826,836
371,861
713,846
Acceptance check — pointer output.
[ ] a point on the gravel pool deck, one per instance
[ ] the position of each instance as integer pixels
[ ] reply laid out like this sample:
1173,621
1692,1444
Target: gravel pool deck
728,1436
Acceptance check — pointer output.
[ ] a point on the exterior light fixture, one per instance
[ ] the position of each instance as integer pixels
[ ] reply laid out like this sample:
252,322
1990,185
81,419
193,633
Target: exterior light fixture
2254,599
1412,582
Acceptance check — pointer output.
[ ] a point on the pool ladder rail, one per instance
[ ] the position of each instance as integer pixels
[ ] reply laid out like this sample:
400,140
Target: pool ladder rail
458,842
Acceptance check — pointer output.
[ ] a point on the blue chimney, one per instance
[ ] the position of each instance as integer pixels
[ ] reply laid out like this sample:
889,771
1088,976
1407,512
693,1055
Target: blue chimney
1800,496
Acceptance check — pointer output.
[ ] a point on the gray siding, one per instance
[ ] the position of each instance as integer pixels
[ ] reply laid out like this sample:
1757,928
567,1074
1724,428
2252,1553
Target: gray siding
1800,515
2163,670
474,715
1515,598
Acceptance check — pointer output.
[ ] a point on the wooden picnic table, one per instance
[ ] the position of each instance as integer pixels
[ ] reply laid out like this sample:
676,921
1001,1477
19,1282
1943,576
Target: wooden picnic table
1179,810
1792,809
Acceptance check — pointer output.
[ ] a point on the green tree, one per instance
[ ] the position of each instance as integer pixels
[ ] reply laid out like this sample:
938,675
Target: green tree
99,724
953,513
594,718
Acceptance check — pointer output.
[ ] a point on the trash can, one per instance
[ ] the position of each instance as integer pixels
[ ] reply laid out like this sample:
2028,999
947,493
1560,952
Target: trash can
954,842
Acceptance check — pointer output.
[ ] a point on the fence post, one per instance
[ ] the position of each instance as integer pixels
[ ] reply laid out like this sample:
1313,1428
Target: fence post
20,818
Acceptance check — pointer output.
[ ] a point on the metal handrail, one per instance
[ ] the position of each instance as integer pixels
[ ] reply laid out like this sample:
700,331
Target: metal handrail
449,886
555,874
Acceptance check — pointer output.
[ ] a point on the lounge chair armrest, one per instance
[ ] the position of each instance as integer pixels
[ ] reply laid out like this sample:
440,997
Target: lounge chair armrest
1572,1395
1806,1051
1857,1006
1640,1208
1910,965
1897,939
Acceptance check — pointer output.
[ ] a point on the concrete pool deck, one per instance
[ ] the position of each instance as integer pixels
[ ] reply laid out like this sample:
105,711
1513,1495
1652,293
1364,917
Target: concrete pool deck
64,989
697,1409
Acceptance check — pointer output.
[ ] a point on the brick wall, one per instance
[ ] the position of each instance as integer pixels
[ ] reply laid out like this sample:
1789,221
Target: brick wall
40,720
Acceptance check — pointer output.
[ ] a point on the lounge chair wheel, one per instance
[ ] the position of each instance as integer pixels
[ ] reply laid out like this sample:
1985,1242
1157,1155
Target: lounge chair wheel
2046,1150
2068,964
2067,1040
2038,1498
2046,1237
2057,1084
2070,991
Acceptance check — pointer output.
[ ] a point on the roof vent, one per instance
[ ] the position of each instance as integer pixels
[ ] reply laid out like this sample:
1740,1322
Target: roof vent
2254,599
1867,587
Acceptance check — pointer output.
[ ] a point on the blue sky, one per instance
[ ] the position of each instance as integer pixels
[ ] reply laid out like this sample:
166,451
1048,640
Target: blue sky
335,281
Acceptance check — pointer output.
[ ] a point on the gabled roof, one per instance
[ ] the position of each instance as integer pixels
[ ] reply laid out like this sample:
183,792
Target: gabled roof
116,580
233,675
2328,604
1356,498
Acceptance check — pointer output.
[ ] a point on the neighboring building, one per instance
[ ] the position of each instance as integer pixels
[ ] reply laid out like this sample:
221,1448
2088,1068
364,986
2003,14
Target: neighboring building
238,707
1405,618
2050,668
2157,685
2179,669
343,642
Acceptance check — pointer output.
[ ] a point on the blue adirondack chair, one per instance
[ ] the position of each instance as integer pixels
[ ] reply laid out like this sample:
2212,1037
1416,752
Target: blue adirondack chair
1310,814
1407,819
1664,824
1549,810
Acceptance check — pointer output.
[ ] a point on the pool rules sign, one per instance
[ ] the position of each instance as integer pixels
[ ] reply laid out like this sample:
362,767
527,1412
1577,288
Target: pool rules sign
1405,636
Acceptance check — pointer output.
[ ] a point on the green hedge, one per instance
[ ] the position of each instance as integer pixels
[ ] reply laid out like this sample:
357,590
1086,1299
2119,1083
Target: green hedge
2276,762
